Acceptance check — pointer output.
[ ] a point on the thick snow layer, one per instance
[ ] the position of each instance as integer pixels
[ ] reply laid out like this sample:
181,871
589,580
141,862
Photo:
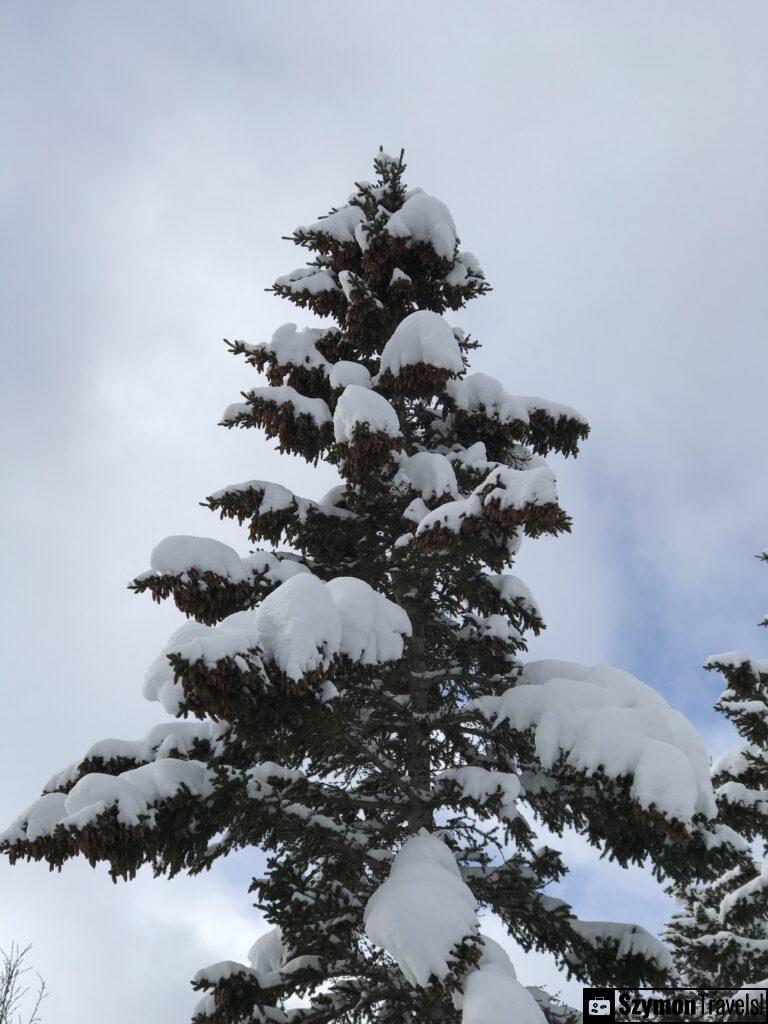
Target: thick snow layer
347,372
423,910
399,275
135,791
305,623
422,337
479,784
308,279
514,591
293,347
493,627
40,819
262,775
516,488
372,626
177,555
275,497
233,636
274,568
159,682
495,955
602,718
736,793
626,939
556,410
745,892
492,995
299,627
510,488
734,761
333,497
451,515
349,282
737,659
340,224
428,473
479,392
216,973
357,407
133,794
315,408
464,270
164,740
425,219
414,512
268,952
474,457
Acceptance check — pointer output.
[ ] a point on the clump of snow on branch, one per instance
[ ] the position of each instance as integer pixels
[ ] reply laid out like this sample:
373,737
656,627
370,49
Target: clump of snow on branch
340,224
168,739
493,995
301,627
603,718
745,893
315,408
359,407
160,683
480,784
308,279
513,590
466,267
516,488
425,219
295,347
510,488
738,660
276,498
178,555
428,473
214,974
479,392
268,953
626,939
132,794
372,626
422,337
347,372
423,911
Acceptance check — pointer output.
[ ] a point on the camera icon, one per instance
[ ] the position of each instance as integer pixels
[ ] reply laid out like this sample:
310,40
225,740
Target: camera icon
600,1008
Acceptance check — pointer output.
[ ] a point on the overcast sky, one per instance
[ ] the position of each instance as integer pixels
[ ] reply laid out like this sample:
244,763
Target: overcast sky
606,162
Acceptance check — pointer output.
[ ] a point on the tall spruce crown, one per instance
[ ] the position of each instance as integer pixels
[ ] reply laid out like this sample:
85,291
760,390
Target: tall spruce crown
353,704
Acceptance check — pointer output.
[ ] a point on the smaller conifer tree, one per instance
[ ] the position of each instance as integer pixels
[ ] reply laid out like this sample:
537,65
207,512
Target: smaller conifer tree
720,934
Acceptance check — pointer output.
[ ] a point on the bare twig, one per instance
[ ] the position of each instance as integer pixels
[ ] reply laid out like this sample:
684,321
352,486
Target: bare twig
19,1004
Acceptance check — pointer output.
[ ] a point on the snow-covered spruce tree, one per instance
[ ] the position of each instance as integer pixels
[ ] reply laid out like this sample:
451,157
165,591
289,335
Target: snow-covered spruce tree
720,935
354,706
